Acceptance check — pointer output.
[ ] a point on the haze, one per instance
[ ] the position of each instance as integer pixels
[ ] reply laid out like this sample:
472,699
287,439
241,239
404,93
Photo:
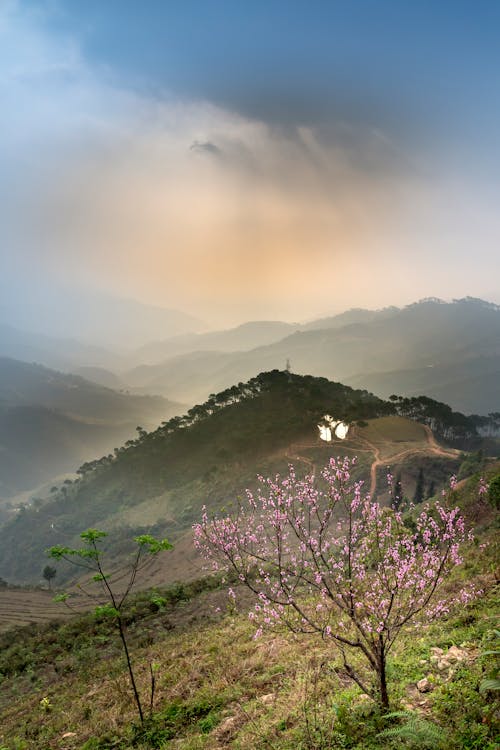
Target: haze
246,161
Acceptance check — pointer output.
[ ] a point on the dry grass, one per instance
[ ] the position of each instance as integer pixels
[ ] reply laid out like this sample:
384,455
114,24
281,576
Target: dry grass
385,432
260,693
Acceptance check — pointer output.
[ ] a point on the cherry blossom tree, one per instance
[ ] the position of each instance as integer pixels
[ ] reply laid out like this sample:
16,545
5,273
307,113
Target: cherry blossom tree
323,558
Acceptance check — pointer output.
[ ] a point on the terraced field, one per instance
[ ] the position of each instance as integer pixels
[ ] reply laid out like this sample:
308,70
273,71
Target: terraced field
21,607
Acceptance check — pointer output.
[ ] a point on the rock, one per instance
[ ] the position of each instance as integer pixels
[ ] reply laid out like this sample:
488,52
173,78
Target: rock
436,655
267,699
443,660
227,728
227,724
456,654
424,685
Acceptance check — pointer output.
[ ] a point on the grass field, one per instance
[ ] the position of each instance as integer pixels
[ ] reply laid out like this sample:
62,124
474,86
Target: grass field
394,434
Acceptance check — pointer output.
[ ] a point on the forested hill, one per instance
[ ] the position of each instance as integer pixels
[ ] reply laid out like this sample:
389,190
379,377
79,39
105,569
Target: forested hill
206,456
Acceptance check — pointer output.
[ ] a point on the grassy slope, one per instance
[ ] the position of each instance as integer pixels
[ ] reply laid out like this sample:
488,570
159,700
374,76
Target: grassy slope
280,691
210,458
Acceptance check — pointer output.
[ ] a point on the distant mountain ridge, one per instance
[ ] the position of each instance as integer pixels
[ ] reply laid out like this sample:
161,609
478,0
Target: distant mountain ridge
92,316
50,422
452,339
60,353
444,350
241,338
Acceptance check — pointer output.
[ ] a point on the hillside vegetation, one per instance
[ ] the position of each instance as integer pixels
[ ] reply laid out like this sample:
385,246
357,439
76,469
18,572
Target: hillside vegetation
64,686
160,480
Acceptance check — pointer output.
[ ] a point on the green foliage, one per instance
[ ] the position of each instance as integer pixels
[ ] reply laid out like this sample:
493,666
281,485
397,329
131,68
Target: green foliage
489,684
158,601
491,656
472,463
107,611
61,597
173,721
414,731
58,552
112,609
468,715
494,491
92,535
153,545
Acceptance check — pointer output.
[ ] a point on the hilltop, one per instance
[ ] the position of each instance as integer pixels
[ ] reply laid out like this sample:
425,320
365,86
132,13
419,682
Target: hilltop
160,480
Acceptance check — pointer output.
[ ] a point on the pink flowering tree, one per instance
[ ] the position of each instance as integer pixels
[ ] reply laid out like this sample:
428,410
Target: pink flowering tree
322,558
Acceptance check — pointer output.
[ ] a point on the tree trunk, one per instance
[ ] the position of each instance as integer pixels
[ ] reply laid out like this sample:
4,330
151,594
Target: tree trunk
384,695
130,670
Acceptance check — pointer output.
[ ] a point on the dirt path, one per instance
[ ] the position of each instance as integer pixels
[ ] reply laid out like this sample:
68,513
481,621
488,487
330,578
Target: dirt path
432,448
438,449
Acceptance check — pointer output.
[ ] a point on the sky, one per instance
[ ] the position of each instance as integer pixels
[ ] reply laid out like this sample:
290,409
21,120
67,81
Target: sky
248,160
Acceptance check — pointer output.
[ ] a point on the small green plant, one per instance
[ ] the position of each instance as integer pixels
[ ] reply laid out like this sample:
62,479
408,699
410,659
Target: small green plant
90,557
415,731
45,705
492,681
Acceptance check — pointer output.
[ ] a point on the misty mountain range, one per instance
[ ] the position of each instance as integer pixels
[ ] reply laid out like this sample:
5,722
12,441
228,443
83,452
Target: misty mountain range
51,422
448,351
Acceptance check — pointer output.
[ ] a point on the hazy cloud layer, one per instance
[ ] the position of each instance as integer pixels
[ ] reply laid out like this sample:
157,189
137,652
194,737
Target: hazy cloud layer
185,204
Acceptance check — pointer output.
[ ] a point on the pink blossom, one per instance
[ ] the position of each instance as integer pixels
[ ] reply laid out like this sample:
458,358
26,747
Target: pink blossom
322,549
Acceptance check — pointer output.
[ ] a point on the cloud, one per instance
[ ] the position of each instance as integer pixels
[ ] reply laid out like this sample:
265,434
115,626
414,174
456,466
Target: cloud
105,186
207,148
270,219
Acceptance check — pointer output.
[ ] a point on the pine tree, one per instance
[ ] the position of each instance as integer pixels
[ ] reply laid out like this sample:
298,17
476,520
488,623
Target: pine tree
419,488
